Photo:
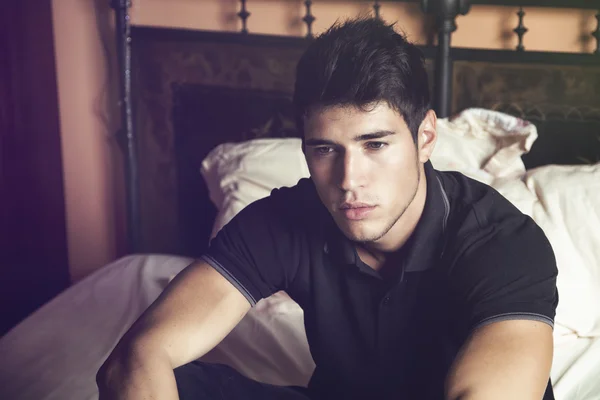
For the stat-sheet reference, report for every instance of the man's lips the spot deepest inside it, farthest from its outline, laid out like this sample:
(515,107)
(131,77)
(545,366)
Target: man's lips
(347,205)
(356,211)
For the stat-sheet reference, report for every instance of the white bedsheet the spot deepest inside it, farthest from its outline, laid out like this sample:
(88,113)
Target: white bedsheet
(55,353)
(576,368)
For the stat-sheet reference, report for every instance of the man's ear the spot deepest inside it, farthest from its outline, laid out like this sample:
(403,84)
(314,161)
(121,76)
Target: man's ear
(427,136)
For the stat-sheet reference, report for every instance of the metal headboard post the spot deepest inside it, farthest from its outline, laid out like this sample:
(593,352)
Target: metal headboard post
(125,135)
(520,30)
(244,14)
(376,8)
(596,33)
(445,12)
(308,19)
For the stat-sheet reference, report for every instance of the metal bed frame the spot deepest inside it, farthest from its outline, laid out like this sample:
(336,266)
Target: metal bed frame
(443,11)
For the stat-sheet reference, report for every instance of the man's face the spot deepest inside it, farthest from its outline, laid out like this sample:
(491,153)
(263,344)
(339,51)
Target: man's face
(365,166)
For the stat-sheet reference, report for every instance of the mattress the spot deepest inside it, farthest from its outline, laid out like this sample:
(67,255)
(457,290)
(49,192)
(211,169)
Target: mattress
(55,353)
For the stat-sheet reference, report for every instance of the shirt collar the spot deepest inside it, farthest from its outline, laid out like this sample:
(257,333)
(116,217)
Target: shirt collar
(425,245)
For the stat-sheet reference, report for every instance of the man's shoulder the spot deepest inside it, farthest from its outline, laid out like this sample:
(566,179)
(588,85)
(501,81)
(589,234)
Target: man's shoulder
(297,203)
(468,195)
(479,213)
(302,192)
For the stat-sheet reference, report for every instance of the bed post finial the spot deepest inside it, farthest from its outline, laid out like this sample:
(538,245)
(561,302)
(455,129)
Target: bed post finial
(445,12)
(308,19)
(244,14)
(376,8)
(520,30)
(596,33)
(126,135)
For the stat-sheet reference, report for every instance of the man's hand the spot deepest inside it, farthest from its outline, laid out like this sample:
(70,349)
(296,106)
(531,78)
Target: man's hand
(503,360)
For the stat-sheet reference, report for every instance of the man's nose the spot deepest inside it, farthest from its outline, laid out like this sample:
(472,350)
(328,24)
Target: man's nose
(350,172)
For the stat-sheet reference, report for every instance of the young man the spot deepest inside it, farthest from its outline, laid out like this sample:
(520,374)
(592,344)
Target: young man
(415,283)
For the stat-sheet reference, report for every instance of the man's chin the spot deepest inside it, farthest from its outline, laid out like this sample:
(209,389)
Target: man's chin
(359,235)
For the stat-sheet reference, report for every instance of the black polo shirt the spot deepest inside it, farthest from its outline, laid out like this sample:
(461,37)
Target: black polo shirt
(473,259)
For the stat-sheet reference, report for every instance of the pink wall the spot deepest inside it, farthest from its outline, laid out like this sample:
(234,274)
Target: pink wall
(484,26)
(86,80)
(86,118)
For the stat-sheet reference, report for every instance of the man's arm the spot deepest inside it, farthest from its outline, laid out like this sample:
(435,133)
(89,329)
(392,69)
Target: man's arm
(503,360)
(194,313)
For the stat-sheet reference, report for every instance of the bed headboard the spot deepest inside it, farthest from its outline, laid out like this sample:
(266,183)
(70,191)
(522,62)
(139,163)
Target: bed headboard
(192,90)
(558,93)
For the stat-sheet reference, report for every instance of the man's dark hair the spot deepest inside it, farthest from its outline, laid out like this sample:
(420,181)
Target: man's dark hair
(360,62)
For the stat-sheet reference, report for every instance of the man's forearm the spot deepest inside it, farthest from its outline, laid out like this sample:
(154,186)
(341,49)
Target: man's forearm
(135,376)
(198,303)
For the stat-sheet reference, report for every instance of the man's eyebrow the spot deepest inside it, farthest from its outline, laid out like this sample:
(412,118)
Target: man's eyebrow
(360,138)
(319,142)
(373,135)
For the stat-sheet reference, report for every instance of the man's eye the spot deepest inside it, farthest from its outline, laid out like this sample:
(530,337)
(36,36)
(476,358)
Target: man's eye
(323,150)
(376,145)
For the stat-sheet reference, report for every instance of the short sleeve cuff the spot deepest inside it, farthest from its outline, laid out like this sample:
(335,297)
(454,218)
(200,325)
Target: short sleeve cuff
(236,281)
(515,316)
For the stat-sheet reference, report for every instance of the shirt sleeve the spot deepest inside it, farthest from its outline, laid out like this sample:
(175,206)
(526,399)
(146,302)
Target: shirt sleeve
(257,251)
(509,273)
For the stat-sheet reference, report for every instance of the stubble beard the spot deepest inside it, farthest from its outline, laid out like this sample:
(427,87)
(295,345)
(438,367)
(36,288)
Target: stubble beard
(382,233)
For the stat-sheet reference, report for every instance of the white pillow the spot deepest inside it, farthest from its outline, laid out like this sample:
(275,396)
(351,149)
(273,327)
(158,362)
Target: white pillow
(483,144)
(565,202)
(238,174)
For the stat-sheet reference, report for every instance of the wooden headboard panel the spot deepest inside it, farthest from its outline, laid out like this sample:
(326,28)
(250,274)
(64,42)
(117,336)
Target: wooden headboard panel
(559,94)
(195,90)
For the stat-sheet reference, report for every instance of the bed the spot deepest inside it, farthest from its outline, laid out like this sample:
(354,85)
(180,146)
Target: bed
(527,123)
